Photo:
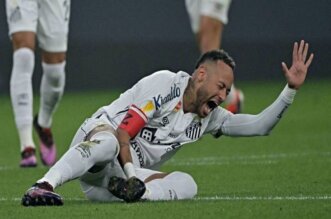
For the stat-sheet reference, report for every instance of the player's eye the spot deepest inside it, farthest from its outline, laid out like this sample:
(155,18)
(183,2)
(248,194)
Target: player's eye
(221,86)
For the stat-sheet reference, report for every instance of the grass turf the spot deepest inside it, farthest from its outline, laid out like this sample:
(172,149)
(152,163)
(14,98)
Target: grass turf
(284,175)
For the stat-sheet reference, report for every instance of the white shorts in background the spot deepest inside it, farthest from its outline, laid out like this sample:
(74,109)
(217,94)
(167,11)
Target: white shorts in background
(49,19)
(217,9)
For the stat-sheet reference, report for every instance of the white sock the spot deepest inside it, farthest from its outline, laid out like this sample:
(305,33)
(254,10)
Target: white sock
(21,94)
(51,90)
(176,185)
(25,136)
(101,149)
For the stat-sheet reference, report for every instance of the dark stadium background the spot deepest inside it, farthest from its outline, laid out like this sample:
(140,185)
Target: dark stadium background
(112,43)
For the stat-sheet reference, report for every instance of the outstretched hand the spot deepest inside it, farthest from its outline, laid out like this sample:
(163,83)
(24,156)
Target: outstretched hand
(296,74)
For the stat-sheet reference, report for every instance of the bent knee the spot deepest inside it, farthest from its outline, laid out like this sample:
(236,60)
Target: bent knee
(105,146)
(191,188)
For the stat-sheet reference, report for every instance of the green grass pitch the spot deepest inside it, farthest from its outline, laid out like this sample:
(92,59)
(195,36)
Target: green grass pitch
(284,175)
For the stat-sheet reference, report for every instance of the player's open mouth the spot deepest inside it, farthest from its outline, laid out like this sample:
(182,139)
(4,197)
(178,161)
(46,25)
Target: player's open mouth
(212,105)
(208,107)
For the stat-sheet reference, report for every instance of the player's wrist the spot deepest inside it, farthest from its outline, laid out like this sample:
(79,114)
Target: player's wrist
(293,86)
(129,170)
(288,93)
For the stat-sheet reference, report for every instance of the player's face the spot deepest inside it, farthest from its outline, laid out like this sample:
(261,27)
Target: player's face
(214,88)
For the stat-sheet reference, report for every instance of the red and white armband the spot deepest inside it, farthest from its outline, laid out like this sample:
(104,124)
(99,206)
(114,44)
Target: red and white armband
(134,121)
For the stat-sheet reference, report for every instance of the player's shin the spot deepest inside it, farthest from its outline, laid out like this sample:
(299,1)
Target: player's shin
(21,94)
(51,90)
(100,149)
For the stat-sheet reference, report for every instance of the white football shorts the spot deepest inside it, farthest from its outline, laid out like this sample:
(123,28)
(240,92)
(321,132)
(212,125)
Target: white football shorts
(217,9)
(94,185)
(49,19)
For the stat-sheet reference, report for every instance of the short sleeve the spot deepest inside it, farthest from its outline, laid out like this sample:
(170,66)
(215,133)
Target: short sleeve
(148,94)
(217,118)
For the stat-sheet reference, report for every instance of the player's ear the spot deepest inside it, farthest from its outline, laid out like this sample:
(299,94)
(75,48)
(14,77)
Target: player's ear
(201,73)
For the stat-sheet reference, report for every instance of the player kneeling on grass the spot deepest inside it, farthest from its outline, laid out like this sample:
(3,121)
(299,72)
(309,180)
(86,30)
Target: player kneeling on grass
(117,152)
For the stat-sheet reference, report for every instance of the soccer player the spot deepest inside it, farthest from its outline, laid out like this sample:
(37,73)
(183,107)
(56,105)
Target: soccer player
(48,22)
(208,18)
(117,152)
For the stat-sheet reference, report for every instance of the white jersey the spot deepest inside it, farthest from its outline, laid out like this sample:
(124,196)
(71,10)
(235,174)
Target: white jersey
(160,97)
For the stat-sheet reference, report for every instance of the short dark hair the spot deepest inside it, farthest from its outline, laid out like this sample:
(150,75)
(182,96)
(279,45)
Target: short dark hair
(215,55)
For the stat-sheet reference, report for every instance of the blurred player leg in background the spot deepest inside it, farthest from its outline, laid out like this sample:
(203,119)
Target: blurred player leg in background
(48,22)
(208,18)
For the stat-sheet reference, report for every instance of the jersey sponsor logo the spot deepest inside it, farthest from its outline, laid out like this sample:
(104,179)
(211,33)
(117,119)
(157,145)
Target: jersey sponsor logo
(148,107)
(148,133)
(138,151)
(165,121)
(159,100)
(194,130)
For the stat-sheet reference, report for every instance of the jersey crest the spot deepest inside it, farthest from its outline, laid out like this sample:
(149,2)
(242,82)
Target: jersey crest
(194,130)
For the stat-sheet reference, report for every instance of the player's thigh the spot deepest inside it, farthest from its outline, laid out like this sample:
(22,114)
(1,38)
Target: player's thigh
(210,33)
(22,17)
(53,25)
(24,39)
(53,57)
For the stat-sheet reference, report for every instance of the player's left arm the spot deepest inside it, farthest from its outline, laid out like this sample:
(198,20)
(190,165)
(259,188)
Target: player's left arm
(133,188)
(263,123)
(133,122)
